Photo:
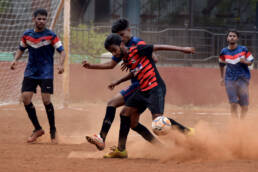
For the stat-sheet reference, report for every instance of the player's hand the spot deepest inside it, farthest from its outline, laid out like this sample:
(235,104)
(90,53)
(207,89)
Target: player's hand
(189,50)
(112,86)
(13,65)
(60,69)
(124,67)
(222,82)
(85,64)
(242,60)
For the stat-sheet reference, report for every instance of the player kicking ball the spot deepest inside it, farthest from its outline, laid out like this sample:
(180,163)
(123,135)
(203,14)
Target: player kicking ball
(41,44)
(151,93)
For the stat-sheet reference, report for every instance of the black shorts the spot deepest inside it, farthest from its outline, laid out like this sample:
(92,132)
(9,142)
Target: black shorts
(153,99)
(30,84)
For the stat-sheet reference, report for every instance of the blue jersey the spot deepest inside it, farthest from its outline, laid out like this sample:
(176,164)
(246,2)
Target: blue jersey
(41,47)
(231,58)
(132,42)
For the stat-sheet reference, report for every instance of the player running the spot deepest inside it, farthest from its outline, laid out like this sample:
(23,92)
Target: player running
(237,58)
(41,44)
(152,89)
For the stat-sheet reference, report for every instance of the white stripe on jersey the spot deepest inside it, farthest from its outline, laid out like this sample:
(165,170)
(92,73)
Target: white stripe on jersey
(39,44)
(58,44)
(22,44)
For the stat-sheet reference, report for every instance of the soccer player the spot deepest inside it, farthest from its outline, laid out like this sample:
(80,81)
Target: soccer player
(122,28)
(151,93)
(236,58)
(41,43)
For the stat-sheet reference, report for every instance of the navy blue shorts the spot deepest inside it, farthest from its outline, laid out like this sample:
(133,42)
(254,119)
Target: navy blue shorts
(30,84)
(129,90)
(237,91)
(153,99)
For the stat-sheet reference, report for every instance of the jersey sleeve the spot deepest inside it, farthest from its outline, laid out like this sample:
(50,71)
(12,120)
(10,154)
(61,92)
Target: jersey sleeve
(222,61)
(116,59)
(57,44)
(248,56)
(145,50)
(23,46)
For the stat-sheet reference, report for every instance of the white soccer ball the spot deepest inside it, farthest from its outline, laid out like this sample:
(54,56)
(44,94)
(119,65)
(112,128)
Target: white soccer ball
(161,125)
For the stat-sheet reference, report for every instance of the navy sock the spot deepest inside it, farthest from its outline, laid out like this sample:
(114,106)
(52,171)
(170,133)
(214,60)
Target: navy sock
(107,122)
(144,132)
(123,132)
(51,116)
(32,115)
(179,126)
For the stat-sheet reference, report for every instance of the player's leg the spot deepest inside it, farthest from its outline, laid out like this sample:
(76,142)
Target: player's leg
(156,106)
(117,101)
(28,88)
(46,86)
(99,140)
(243,93)
(232,93)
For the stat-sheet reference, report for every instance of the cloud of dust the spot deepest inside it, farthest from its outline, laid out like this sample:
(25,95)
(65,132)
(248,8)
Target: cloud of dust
(238,140)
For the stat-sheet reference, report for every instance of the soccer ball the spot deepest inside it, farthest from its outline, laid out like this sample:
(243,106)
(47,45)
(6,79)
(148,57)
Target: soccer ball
(161,125)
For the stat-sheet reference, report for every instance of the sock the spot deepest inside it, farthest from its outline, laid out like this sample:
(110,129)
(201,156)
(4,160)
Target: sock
(179,126)
(144,132)
(51,116)
(123,132)
(32,115)
(107,122)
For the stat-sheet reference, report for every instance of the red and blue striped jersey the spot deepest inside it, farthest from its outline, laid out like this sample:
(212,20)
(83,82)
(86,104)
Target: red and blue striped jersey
(132,42)
(141,64)
(41,47)
(231,58)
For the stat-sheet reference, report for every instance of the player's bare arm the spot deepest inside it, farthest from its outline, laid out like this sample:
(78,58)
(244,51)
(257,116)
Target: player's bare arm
(60,67)
(187,50)
(112,85)
(18,55)
(108,65)
(222,75)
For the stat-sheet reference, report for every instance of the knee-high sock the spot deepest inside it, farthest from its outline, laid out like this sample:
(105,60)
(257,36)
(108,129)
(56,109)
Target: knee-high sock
(144,132)
(107,122)
(123,132)
(31,111)
(179,126)
(51,116)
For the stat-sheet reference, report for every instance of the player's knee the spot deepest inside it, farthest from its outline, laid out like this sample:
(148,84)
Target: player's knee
(125,112)
(133,124)
(46,102)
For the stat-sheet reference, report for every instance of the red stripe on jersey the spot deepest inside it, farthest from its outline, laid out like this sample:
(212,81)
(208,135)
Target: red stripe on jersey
(222,58)
(247,54)
(56,39)
(150,87)
(141,43)
(147,78)
(140,75)
(37,40)
(234,56)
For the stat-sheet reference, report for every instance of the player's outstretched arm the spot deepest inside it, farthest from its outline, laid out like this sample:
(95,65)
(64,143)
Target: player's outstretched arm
(18,55)
(60,67)
(108,65)
(123,79)
(174,48)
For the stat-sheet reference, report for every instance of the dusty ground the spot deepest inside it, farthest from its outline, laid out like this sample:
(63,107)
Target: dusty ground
(220,144)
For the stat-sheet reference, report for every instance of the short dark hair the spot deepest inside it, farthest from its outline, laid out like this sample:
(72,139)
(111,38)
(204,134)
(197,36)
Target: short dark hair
(40,11)
(119,25)
(112,39)
(232,31)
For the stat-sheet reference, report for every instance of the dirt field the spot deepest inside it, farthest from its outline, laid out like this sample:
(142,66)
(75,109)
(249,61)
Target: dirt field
(194,98)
